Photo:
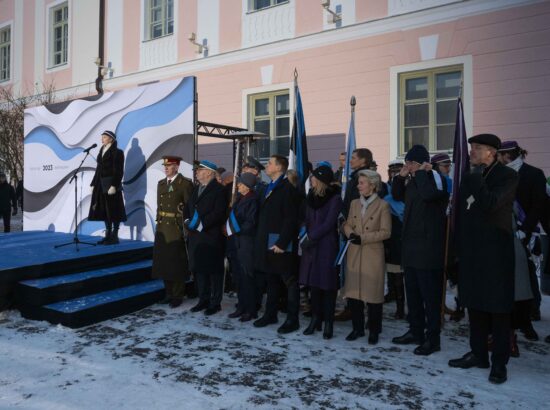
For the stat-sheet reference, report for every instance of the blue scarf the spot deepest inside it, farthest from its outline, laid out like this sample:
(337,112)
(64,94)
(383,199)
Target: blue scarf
(397,207)
(272,185)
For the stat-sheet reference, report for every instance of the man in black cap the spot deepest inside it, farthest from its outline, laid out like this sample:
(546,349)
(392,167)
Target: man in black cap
(7,202)
(255,167)
(170,260)
(486,256)
(423,247)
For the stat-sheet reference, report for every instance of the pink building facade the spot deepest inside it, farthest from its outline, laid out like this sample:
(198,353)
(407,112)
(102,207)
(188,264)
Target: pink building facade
(405,61)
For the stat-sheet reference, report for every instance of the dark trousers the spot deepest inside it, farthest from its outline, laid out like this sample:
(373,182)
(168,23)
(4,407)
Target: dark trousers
(323,303)
(209,288)
(273,291)
(498,325)
(374,315)
(6,216)
(423,289)
(175,289)
(521,314)
(246,287)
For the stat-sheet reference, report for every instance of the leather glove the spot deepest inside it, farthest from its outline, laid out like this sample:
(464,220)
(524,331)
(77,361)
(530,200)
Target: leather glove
(112,190)
(14,212)
(355,239)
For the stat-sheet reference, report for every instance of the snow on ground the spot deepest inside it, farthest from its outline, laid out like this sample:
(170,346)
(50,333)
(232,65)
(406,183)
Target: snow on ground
(160,358)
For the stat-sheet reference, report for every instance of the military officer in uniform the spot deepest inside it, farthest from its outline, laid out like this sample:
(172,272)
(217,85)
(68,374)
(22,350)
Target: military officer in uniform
(170,260)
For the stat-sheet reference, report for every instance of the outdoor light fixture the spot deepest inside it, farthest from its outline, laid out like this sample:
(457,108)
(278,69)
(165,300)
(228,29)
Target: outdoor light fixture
(200,47)
(105,70)
(334,17)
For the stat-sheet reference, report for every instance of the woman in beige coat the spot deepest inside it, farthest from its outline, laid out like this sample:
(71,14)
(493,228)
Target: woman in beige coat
(367,226)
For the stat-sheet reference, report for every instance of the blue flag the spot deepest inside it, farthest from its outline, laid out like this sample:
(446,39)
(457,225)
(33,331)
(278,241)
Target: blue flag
(461,162)
(350,147)
(298,158)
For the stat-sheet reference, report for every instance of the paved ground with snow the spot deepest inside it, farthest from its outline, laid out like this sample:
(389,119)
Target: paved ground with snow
(162,358)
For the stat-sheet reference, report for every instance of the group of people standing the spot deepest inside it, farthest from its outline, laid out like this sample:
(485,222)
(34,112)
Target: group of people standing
(279,239)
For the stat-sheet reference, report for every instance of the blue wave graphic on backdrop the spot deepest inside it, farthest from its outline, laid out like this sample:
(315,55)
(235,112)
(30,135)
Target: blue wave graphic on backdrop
(159,113)
(43,135)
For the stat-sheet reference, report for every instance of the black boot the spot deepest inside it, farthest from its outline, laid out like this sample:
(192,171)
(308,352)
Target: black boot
(113,240)
(314,324)
(390,296)
(328,330)
(106,238)
(399,295)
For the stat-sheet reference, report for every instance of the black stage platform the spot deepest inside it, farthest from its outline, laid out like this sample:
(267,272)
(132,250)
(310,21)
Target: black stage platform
(75,288)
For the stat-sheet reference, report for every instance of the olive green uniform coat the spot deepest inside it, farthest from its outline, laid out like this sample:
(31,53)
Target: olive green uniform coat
(170,260)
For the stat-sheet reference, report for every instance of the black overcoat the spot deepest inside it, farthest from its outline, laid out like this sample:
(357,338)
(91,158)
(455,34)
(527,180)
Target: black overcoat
(246,213)
(278,216)
(206,248)
(424,220)
(531,195)
(486,241)
(109,164)
(7,197)
(170,260)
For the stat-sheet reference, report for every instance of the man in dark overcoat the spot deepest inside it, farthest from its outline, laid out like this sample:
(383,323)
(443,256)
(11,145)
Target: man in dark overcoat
(424,192)
(275,249)
(205,216)
(486,256)
(7,202)
(107,204)
(170,261)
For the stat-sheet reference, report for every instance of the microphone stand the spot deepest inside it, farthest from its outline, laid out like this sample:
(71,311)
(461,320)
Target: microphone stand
(76,240)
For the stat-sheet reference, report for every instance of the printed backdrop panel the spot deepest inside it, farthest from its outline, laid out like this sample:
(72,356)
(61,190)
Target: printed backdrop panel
(150,121)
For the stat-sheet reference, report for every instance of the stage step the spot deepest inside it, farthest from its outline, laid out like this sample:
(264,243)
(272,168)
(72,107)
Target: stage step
(52,289)
(97,307)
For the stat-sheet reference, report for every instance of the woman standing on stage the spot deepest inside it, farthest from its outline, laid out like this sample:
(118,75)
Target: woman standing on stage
(107,204)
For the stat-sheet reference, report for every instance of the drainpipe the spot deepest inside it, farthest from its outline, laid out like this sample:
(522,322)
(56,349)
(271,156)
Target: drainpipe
(101,51)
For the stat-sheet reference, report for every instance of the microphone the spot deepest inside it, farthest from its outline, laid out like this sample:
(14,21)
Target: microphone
(90,148)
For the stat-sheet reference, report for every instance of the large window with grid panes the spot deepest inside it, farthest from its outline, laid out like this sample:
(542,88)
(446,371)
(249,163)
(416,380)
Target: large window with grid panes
(59,34)
(159,18)
(254,5)
(5,53)
(270,114)
(427,108)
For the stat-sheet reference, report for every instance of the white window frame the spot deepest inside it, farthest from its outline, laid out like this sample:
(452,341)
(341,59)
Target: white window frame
(248,94)
(467,94)
(147,33)
(50,65)
(3,27)
(273,3)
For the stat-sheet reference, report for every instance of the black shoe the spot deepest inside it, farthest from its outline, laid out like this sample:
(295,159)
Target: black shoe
(530,333)
(498,374)
(355,335)
(328,330)
(373,338)
(105,238)
(165,301)
(112,239)
(199,306)
(314,324)
(246,317)
(427,348)
(235,314)
(211,310)
(174,303)
(468,361)
(290,325)
(265,321)
(407,339)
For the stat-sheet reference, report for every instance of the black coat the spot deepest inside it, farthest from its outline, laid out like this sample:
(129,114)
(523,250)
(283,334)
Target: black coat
(278,216)
(486,241)
(104,206)
(531,195)
(246,213)
(424,221)
(7,197)
(206,248)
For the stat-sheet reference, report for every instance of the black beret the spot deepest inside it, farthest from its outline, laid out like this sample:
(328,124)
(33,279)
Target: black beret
(486,139)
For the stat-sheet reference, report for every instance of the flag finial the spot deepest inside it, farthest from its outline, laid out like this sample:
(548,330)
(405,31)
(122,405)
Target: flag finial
(352,102)
(295,73)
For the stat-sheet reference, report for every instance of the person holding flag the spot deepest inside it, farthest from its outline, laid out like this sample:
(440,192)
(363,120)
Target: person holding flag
(241,230)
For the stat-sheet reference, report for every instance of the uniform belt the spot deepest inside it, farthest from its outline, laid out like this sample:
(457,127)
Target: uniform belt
(168,214)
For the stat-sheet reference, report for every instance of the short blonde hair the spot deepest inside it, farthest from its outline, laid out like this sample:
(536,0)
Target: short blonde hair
(373,177)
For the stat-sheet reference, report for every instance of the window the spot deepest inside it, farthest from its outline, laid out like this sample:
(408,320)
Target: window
(270,114)
(5,50)
(254,5)
(159,18)
(427,109)
(59,34)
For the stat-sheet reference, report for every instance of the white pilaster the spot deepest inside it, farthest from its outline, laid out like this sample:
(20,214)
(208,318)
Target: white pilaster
(85,34)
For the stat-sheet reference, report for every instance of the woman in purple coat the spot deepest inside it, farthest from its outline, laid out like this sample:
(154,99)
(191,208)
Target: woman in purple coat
(320,248)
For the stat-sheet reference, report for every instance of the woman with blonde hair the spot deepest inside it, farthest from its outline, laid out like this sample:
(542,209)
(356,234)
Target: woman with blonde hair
(367,226)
